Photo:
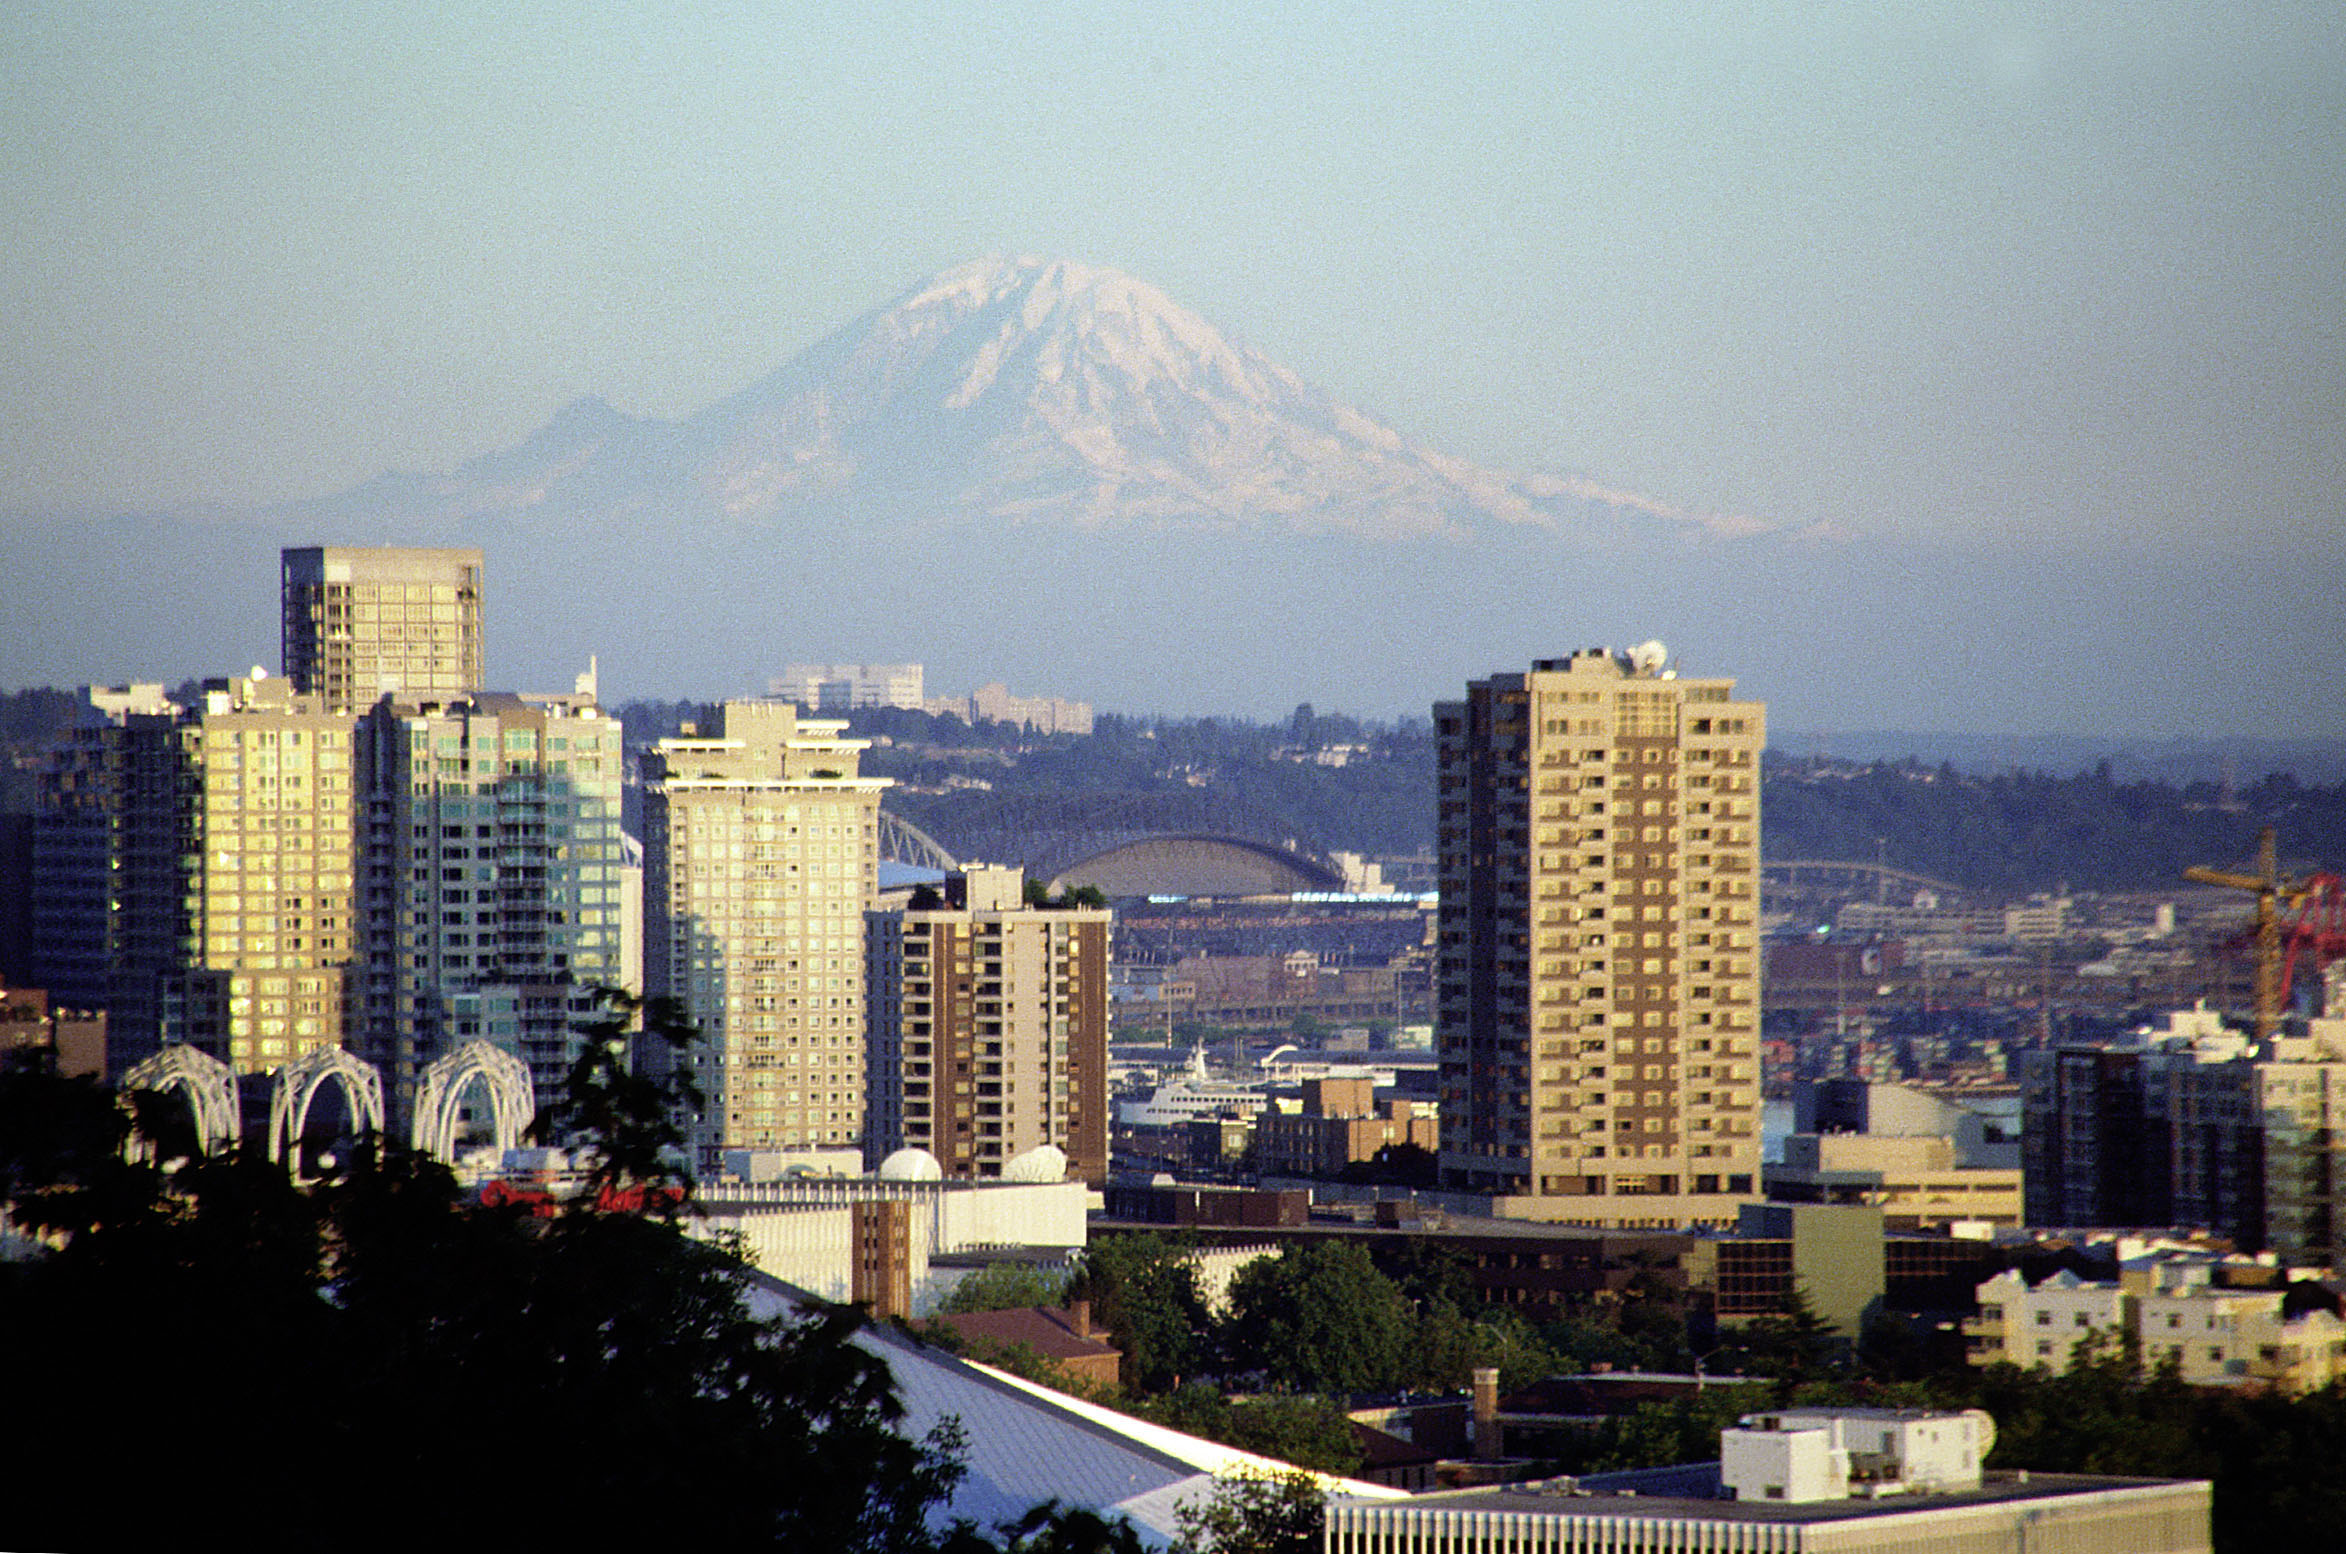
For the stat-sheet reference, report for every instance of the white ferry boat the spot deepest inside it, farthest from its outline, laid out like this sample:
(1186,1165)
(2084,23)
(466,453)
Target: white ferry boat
(1195,1094)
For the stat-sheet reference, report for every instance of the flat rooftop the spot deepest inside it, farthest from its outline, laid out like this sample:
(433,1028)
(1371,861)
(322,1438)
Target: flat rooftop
(1691,1492)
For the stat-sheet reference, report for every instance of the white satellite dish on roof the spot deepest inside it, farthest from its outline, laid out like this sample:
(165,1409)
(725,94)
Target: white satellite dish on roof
(1043,1163)
(1648,657)
(911,1165)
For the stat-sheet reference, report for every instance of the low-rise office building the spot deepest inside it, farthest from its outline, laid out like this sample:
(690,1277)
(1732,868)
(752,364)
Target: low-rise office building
(1852,1481)
(1916,1182)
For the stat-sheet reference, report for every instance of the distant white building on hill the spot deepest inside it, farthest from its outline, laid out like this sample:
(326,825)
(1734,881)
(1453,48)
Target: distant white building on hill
(833,688)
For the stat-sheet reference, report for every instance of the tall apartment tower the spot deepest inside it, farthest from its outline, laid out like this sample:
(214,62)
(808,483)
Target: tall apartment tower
(362,622)
(274,909)
(761,857)
(492,871)
(2195,1124)
(77,836)
(1598,995)
(989,1028)
(228,913)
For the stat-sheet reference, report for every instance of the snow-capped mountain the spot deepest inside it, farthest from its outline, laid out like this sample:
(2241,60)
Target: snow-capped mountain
(1053,476)
(1019,392)
(1036,391)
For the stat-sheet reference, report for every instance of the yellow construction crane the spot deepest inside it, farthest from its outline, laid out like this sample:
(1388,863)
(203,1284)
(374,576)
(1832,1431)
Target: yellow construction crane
(2272,893)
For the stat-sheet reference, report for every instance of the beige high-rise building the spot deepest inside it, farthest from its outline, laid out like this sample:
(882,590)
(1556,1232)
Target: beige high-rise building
(761,856)
(360,623)
(234,874)
(1598,995)
(989,1028)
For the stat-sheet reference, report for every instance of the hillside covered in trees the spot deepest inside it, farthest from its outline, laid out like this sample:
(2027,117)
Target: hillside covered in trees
(1329,782)
(1334,782)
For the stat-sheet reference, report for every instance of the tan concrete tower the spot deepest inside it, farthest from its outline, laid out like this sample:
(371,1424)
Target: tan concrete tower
(989,1027)
(1599,959)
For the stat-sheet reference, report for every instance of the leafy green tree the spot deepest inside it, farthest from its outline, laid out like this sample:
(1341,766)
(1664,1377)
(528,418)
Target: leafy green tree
(1005,1287)
(383,1322)
(1319,1317)
(1310,1432)
(1050,1528)
(1427,1271)
(1658,1435)
(1143,1290)
(1451,1345)
(1026,1361)
(1794,1348)
(1251,1514)
(627,1097)
(1588,1337)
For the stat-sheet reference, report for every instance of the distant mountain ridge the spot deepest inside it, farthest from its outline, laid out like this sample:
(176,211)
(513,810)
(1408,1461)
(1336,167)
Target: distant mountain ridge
(1025,392)
(1051,475)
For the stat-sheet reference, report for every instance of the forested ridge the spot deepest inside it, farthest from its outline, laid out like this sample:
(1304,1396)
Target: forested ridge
(1335,782)
(1329,781)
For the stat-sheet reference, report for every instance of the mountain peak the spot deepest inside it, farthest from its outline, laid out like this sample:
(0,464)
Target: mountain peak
(1037,392)
(989,280)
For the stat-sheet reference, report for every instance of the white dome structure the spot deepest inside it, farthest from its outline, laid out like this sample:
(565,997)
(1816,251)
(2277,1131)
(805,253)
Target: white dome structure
(1043,1163)
(911,1165)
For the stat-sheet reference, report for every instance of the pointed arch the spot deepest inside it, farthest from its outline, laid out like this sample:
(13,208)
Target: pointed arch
(298,1084)
(210,1087)
(512,1098)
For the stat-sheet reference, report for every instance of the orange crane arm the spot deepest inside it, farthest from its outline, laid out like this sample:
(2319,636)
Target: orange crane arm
(2247,882)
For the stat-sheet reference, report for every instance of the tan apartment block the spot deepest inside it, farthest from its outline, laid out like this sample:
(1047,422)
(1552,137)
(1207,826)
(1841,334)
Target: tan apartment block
(1598,981)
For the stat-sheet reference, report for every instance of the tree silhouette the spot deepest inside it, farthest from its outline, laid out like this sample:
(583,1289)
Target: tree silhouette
(382,1361)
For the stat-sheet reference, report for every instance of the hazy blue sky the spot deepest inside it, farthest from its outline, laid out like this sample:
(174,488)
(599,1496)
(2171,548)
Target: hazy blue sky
(1942,269)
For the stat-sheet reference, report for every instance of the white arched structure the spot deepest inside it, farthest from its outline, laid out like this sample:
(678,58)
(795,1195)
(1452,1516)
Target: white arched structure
(210,1086)
(512,1098)
(298,1084)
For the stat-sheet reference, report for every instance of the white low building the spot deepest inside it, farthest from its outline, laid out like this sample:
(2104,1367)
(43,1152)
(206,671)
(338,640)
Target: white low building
(2040,1328)
(808,1232)
(1800,1481)
(1805,1455)
(2212,1335)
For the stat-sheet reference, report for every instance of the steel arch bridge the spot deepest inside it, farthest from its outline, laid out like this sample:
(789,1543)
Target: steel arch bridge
(1828,873)
(903,842)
